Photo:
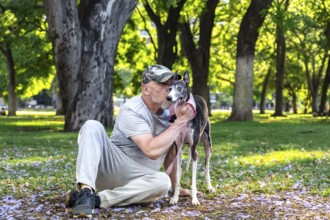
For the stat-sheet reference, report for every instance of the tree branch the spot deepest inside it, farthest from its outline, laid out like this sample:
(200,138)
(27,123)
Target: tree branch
(147,30)
(226,80)
(152,14)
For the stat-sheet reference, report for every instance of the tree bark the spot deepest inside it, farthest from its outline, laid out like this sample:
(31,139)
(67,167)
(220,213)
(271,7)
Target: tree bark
(326,82)
(59,104)
(292,92)
(294,103)
(199,56)
(263,92)
(247,38)
(85,45)
(12,81)
(166,33)
(314,83)
(280,61)
(325,87)
(280,64)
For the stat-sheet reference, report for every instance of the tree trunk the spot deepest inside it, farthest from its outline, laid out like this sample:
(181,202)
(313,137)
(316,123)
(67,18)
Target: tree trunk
(12,81)
(314,83)
(263,92)
(294,103)
(166,33)
(325,87)
(59,104)
(247,38)
(84,51)
(199,56)
(280,64)
(326,82)
(293,94)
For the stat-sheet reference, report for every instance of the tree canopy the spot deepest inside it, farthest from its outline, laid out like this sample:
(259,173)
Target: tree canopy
(157,32)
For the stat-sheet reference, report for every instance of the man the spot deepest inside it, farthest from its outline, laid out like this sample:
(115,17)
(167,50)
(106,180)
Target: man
(125,168)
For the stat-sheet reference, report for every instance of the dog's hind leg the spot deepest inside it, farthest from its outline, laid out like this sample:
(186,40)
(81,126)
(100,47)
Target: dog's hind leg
(194,157)
(189,159)
(194,177)
(177,186)
(207,142)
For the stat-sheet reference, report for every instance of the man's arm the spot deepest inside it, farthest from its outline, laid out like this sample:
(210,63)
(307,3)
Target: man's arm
(153,147)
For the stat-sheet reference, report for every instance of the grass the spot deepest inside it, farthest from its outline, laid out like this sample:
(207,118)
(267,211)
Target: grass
(267,155)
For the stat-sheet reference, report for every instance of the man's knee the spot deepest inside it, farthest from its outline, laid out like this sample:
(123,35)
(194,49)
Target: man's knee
(93,124)
(164,182)
(91,127)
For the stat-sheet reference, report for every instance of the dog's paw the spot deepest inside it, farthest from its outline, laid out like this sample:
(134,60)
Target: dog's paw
(195,202)
(211,190)
(174,200)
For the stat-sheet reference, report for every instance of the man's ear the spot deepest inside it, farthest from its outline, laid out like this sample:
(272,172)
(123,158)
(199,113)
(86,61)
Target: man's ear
(145,90)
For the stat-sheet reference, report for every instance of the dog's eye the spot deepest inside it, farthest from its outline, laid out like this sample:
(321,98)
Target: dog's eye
(180,89)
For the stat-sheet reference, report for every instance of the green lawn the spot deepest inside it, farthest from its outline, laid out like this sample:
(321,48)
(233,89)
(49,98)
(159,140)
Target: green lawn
(267,155)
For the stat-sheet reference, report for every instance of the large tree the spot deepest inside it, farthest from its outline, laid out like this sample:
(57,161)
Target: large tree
(85,39)
(167,48)
(326,82)
(280,56)
(22,28)
(198,53)
(244,75)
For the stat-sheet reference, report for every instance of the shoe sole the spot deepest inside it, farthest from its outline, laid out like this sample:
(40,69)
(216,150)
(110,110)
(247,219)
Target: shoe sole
(84,215)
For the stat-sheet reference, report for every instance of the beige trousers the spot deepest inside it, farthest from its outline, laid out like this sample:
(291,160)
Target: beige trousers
(119,180)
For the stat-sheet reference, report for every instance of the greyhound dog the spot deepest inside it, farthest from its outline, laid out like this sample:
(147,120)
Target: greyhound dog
(197,129)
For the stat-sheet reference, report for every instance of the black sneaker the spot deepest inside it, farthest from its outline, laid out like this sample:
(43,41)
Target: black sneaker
(82,203)
(72,196)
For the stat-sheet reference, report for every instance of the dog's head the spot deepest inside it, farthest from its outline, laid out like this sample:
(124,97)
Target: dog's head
(179,90)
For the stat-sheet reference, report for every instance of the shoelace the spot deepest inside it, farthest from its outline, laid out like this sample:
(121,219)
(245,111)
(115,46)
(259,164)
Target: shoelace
(83,195)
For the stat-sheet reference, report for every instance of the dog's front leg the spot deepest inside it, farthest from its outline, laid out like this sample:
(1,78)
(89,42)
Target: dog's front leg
(194,184)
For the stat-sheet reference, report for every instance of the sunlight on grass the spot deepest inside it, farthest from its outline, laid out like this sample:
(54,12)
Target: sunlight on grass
(277,157)
(35,113)
(27,160)
(32,123)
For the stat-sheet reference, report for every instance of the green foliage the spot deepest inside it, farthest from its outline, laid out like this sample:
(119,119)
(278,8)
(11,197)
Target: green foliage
(223,45)
(23,31)
(306,45)
(134,54)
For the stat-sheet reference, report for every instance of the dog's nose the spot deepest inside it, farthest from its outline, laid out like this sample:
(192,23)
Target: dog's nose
(169,98)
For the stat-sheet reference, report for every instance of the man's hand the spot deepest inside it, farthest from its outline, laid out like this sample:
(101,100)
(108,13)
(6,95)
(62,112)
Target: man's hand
(184,113)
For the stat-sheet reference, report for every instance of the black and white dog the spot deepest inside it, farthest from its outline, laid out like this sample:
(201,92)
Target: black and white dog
(197,129)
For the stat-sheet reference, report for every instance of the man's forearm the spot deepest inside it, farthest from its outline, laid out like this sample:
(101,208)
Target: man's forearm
(162,142)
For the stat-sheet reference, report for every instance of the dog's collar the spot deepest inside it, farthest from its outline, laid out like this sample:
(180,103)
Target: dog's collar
(172,118)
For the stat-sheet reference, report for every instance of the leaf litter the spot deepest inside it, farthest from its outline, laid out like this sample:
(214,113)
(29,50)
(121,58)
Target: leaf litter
(283,205)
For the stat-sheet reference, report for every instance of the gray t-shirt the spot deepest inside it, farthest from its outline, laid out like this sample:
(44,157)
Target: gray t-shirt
(134,118)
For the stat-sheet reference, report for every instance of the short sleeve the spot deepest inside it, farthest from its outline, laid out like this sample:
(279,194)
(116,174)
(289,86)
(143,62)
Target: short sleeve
(132,123)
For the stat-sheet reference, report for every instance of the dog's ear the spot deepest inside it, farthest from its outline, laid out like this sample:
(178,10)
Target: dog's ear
(176,76)
(186,77)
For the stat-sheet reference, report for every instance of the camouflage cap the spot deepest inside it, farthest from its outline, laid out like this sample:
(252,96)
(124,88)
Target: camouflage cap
(157,73)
